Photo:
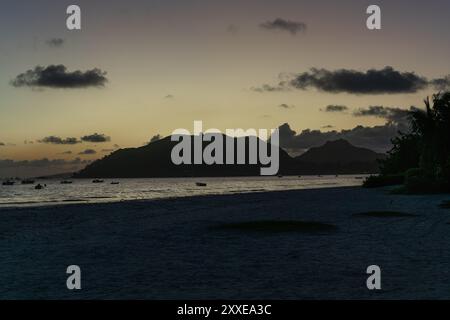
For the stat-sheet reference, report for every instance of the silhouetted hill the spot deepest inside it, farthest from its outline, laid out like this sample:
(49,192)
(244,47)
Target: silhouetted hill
(154,160)
(338,156)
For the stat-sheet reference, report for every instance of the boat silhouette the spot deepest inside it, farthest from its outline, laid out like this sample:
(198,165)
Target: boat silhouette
(201,184)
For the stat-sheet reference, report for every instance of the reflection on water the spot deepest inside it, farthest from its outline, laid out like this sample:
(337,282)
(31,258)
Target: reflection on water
(84,191)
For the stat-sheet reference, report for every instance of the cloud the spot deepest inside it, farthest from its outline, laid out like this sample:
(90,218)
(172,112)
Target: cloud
(377,138)
(335,108)
(39,167)
(7,163)
(169,96)
(2,144)
(55,42)
(270,88)
(396,115)
(59,140)
(293,27)
(66,152)
(329,126)
(286,106)
(96,138)
(88,152)
(57,76)
(441,84)
(373,81)
(233,29)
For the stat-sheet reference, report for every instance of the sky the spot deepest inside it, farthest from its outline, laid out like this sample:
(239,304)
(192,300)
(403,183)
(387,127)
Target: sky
(142,68)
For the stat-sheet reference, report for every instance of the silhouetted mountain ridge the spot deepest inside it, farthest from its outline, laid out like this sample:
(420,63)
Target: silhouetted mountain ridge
(339,151)
(338,157)
(154,160)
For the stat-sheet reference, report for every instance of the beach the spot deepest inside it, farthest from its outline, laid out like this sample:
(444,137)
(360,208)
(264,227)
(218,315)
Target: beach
(188,248)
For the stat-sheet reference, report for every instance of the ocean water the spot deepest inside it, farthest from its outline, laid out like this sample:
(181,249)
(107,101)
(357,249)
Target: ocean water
(84,191)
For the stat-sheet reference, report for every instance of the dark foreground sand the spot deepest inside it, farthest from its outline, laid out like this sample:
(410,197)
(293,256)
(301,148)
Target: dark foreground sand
(178,249)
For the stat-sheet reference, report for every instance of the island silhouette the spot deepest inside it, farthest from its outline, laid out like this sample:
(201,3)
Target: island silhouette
(154,160)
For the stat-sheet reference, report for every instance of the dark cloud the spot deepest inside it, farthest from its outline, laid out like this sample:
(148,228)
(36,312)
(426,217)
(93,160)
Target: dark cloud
(40,167)
(96,138)
(55,42)
(56,76)
(441,84)
(2,144)
(59,140)
(293,27)
(40,163)
(396,115)
(335,108)
(373,81)
(88,152)
(328,127)
(286,106)
(377,138)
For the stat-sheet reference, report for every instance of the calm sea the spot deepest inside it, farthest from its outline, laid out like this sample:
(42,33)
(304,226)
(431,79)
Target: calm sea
(84,191)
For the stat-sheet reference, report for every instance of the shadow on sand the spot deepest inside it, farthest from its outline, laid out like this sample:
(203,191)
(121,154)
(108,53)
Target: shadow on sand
(278,226)
(384,214)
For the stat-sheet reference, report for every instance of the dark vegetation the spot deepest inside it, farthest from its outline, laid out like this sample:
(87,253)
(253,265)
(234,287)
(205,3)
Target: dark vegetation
(420,159)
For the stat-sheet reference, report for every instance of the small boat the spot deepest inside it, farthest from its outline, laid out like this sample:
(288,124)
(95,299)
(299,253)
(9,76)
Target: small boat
(115,182)
(27,181)
(97,181)
(201,184)
(39,187)
(8,183)
(66,182)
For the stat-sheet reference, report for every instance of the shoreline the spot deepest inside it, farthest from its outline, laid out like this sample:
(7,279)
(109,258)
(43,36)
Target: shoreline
(84,191)
(75,203)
